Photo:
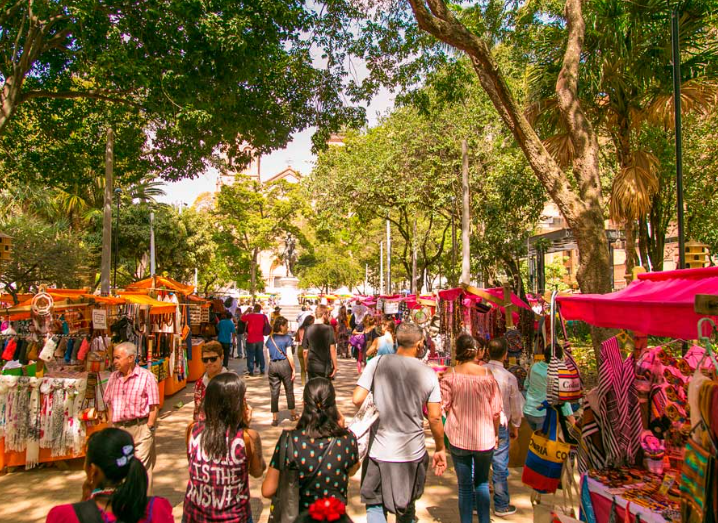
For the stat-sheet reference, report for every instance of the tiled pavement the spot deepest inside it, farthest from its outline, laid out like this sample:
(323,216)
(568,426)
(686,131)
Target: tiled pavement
(27,496)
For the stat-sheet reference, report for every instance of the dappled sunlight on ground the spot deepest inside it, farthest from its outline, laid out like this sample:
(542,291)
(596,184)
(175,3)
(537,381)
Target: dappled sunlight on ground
(28,496)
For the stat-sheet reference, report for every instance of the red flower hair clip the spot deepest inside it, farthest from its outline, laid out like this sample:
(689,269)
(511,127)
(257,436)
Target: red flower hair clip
(327,509)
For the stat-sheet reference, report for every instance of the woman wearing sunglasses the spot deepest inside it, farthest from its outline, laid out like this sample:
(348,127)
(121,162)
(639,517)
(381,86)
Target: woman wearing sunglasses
(212,354)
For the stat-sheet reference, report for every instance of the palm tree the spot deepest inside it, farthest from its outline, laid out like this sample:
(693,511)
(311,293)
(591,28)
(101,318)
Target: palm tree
(627,85)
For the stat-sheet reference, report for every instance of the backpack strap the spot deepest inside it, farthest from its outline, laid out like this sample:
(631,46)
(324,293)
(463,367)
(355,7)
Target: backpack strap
(87,512)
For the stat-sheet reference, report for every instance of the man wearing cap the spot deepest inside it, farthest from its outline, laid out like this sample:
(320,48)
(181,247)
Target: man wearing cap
(133,398)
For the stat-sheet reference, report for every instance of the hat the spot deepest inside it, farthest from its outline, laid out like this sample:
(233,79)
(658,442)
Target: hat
(277,309)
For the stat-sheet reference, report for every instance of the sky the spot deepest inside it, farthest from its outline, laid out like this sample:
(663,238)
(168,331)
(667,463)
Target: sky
(297,154)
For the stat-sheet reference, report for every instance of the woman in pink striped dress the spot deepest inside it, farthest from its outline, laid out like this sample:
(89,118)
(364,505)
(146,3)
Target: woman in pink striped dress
(471,401)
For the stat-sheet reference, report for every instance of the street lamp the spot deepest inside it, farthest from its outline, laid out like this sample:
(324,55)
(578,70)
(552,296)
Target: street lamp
(118,192)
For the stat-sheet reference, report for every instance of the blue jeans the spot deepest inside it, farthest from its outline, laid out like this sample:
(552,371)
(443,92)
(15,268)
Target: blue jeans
(377,514)
(500,463)
(241,345)
(472,472)
(255,354)
(535,422)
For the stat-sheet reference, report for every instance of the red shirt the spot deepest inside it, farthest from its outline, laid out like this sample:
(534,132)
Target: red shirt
(255,327)
(218,490)
(132,398)
(159,510)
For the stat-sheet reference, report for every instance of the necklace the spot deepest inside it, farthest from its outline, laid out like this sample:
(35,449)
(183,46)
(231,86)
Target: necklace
(102,492)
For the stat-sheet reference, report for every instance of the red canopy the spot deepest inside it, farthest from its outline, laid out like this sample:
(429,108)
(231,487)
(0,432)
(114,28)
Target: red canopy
(657,303)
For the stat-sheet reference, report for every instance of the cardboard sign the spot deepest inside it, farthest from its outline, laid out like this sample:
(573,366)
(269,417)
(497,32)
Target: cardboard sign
(99,319)
(391,307)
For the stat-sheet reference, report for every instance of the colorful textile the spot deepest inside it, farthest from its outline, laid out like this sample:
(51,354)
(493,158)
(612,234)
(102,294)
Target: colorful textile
(695,481)
(546,456)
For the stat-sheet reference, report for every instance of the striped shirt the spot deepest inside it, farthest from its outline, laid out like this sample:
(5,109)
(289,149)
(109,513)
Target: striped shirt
(133,397)
(471,403)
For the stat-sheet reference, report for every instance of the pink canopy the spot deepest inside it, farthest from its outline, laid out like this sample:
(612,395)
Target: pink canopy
(657,303)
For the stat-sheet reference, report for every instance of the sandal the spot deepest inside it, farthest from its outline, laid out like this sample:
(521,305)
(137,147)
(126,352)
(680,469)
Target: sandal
(295,417)
(275,423)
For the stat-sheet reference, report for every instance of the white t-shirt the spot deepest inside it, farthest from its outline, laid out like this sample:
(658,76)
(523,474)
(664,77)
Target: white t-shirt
(403,386)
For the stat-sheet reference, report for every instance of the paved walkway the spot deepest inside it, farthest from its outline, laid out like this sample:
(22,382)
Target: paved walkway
(27,496)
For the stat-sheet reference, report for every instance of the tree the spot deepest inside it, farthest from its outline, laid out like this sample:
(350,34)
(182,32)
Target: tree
(251,216)
(42,254)
(627,90)
(328,267)
(206,75)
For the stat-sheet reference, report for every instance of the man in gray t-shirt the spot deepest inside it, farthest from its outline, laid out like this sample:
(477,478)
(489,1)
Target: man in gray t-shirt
(395,473)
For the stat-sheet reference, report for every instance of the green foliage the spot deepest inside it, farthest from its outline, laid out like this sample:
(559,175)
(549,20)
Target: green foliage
(328,267)
(200,76)
(251,217)
(42,253)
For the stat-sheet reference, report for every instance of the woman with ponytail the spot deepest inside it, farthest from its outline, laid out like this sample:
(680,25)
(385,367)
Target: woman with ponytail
(116,486)
(323,450)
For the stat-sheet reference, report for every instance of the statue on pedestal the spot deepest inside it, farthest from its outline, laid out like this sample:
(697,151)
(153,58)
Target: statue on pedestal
(289,255)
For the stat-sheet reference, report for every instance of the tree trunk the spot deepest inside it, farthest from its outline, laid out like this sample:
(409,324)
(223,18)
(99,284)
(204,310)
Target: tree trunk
(579,200)
(630,231)
(253,274)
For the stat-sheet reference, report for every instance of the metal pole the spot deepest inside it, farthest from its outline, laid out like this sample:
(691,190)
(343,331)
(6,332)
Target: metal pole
(107,215)
(366,277)
(465,216)
(679,146)
(116,252)
(388,257)
(152,244)
(381,267)
(196,274)
(413,261)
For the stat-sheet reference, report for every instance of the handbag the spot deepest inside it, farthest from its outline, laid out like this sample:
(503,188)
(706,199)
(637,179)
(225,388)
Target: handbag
(546,456)
(285,503)
(267,330)
(696,477)
(365,419)
(563,379)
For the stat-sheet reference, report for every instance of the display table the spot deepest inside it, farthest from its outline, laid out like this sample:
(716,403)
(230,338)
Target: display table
(173,385)
(194,362)
(602,498)
(17,459)
(161,387)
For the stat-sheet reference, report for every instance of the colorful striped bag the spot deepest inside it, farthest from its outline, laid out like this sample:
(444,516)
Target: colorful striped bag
(546,456)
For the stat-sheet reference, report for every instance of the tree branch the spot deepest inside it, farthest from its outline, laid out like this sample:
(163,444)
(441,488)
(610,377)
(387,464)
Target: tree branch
(94,94)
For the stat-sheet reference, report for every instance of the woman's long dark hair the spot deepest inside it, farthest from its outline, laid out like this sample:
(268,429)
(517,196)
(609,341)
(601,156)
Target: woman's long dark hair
(342,314)
(388,324)
(224,409)
(320,418)
(112,451)
(309,320)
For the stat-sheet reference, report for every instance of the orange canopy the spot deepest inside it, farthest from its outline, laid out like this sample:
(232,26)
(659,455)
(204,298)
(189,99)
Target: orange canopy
(156,307)
(160,282)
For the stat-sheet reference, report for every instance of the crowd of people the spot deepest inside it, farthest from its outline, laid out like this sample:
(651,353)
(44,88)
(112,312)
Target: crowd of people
(473,410)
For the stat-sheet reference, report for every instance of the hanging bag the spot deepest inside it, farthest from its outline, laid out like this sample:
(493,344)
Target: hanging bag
(546,456)
(267,330)
(285,503)
(365,419)
(563,380)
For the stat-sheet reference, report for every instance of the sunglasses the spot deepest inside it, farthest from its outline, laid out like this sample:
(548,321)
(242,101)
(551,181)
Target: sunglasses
(210,359)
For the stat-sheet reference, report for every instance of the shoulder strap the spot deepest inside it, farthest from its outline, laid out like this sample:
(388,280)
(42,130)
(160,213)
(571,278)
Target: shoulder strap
(247,445)
(373,378)
(87,512)
(271,336)
(322,459)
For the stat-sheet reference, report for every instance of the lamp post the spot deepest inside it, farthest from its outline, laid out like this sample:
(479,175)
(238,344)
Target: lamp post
(118,192)
(679,146)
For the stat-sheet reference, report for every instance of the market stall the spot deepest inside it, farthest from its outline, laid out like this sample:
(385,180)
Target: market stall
(648,444)
(55,348)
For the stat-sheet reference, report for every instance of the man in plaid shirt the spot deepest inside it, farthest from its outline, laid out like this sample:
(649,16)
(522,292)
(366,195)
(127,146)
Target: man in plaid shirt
(133,398)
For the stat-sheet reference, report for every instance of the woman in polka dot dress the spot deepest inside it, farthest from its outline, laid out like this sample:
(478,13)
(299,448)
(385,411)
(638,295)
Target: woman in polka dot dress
(324,451)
